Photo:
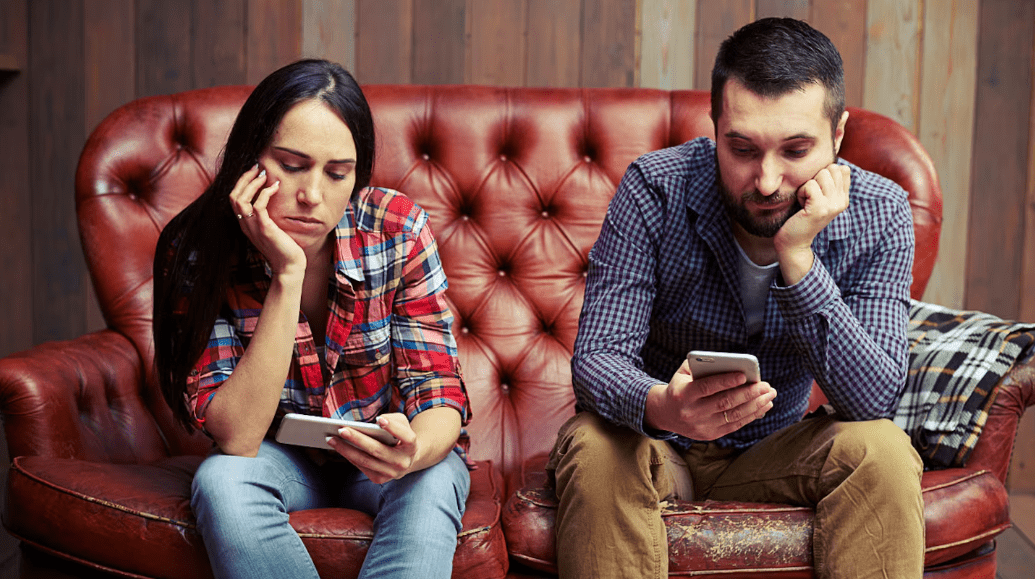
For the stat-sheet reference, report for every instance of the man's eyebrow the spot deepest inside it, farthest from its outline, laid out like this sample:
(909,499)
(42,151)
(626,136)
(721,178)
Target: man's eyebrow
(799,136)
(304,156)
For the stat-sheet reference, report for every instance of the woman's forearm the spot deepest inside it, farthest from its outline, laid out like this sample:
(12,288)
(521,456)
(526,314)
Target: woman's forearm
(437,430)
(241,411)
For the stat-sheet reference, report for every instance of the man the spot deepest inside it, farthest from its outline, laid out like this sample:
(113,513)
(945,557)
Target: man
(760,242)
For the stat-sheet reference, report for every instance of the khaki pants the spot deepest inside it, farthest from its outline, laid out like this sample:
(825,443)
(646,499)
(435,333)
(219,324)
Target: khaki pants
(863,479)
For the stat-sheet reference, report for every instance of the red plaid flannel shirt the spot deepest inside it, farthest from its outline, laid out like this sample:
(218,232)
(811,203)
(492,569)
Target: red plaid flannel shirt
(389,345)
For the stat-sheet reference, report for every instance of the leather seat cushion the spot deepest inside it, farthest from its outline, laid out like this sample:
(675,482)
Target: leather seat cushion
(964,509)
(137,519)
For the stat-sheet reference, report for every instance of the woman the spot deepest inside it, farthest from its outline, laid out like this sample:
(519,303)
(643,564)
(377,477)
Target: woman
(291,286)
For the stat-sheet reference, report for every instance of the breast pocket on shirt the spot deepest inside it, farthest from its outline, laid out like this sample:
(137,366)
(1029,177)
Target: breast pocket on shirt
(367,347)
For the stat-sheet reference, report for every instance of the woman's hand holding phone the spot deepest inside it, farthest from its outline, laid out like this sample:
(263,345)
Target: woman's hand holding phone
(380,462)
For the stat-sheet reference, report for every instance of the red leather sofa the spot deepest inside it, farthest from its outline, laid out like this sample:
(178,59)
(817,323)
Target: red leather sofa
(516,182)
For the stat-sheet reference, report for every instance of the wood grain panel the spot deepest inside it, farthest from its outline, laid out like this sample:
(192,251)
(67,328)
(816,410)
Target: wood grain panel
(274,36)
(1000,163)
(56,125)
(844,22)
(608,43)
(16,200)
(439,27)
(329,31)
(892,59)
(555,43)
(163,32)
(496,46)
(715,22)
(667,44)
(946,129)
(384,41)
(783,8)
(218,43)
(1027,294)
(107,84)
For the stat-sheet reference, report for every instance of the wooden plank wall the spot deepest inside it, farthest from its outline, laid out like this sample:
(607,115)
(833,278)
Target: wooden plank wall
(958,73)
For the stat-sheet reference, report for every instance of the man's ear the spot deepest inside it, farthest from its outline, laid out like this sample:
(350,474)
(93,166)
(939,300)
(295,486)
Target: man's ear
(839,132)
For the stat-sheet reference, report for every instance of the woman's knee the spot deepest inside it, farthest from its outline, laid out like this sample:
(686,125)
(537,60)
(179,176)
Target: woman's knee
(223,479)
(449,478)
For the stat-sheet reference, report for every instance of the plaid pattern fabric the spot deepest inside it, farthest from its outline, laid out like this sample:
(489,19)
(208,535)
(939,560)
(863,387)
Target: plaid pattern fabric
(664,280)
(389,345)
(956,358)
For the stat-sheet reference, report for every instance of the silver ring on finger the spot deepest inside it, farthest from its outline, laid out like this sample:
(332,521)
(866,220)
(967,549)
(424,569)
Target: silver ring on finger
(239,216)
(726,417)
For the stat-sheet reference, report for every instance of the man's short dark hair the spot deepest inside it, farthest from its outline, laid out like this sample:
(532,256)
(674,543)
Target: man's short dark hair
(774,56)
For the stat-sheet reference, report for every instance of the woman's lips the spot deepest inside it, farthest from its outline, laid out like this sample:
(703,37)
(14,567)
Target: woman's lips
(303,223)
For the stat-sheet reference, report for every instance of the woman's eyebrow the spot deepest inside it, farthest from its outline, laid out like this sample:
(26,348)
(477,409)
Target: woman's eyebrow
(305,156)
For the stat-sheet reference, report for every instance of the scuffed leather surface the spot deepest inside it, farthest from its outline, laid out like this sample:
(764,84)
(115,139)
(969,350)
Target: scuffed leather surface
(708,537)
(137,519)
(516,182)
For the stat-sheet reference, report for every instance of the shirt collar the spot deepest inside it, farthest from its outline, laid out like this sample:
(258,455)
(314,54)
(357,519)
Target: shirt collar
(347,251)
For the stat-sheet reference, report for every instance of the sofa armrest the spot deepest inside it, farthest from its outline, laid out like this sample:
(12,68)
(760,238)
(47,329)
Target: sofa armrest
(1016,392)
(79,399)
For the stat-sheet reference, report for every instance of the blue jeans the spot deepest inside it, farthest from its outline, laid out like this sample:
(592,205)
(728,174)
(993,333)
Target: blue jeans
(242,505)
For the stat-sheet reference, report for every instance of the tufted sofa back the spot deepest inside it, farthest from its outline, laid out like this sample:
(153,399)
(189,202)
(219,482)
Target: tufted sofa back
(516,181)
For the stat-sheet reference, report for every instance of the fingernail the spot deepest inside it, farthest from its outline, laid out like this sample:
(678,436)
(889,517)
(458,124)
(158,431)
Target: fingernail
(382,421)
(262,173)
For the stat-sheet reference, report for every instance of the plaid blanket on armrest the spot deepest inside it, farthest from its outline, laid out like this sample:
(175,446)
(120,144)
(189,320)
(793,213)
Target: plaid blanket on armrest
(956,358)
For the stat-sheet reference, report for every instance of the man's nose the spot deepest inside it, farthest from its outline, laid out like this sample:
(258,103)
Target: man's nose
(769,177)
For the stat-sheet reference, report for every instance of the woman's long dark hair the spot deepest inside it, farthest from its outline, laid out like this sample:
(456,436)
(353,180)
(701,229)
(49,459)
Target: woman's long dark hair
(196,249)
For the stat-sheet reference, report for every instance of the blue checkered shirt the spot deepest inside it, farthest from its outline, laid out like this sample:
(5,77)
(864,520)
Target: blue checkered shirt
(664,280)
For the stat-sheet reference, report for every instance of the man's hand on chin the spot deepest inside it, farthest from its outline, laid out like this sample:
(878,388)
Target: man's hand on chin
(822,198)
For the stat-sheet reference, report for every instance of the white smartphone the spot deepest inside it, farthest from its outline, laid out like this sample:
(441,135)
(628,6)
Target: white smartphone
(704,363)
(306,430)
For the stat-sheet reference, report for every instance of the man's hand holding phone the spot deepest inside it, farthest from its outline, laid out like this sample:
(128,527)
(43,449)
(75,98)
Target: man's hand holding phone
(707,407)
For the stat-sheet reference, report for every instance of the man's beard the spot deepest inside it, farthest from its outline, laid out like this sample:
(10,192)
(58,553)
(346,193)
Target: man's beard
(738,212)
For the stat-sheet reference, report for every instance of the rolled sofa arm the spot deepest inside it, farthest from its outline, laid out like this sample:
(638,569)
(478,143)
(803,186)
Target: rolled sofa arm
(79,398)
(1016,392)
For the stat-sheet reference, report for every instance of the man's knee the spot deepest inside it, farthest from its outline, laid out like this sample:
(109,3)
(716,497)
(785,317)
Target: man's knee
(879,451)
(598,457)
(589,441)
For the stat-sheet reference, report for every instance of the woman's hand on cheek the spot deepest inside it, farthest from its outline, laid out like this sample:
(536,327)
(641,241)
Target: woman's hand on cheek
(380,462)
(250,200)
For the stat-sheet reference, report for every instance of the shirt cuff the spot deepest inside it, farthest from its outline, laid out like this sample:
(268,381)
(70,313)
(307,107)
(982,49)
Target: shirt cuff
(810,295)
